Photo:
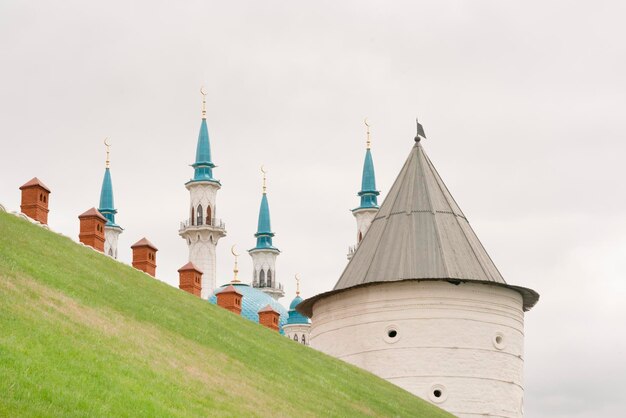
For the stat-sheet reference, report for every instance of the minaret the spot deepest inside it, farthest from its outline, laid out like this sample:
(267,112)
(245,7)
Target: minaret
(264,254)
(112,231)
(298,326)
(368,208)
(202,230)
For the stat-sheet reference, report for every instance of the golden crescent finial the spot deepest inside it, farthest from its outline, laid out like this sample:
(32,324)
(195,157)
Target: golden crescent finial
(108,148)
(235,269)
(369,142)
(297,285)
(203,93)
(264,178)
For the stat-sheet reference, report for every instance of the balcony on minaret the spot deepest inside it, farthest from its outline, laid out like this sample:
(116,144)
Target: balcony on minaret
(200,223)
(144,256)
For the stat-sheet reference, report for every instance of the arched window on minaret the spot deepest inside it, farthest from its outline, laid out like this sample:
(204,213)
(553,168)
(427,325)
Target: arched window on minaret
(262,278)
(269,278)
(208,216)
(295,337)
(303,339)
(192,218)
(111,252)
(199,215)
(360,236)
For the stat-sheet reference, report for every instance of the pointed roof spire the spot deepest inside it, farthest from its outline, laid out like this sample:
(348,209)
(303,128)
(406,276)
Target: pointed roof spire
(368,191)
(107,204)
(420,233)
(264,232)
(203,167)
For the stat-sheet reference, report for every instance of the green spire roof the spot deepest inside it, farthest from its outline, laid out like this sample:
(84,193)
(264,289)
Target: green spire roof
(264,232)
(203,165)
(368,191)
(107,206)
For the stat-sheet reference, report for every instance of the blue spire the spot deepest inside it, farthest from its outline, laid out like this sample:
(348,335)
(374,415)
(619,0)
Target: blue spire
(203,165)
(296,317)
(368,191)
(264,232)
(107,206)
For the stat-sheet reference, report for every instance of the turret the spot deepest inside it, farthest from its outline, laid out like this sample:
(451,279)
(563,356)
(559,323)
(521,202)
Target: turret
(92,229)
(264,253)
(368,207)
(298,326)
(144,256)
(107,209)
(202,230)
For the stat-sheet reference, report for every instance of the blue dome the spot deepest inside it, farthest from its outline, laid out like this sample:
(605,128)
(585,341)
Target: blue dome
(296,317)
(253,301)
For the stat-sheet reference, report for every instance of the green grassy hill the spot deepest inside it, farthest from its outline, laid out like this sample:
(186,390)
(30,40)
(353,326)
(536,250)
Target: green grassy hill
(83,335)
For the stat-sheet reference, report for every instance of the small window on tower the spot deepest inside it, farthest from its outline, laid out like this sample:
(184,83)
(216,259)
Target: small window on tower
(44,199)
(360,236)
(303,339)
(262,278)
(295,337)
(199,216)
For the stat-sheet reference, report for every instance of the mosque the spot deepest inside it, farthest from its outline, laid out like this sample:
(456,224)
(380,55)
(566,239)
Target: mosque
(420,302)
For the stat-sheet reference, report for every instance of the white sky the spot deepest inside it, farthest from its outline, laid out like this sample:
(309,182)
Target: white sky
(522,103)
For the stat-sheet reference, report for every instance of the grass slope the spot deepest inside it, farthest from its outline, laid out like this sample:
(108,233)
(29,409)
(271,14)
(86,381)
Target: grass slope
(83,335)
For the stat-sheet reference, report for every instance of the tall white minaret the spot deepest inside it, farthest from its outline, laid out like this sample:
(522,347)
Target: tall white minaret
(264,254)
(368,208)
(202,230)
(112,230)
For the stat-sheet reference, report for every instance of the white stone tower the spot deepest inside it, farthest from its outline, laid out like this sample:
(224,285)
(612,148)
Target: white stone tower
(202,230)
(112,230)
(264,253)
(368,208)
(422,305)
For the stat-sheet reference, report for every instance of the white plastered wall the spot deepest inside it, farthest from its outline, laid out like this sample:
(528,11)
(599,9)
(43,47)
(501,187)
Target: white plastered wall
(299,330)
(111,236)
(458,346)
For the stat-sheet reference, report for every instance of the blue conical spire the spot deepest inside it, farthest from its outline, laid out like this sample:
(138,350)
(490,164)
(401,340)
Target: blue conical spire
(264,232)
(203,165)
(368,191)
(107,206)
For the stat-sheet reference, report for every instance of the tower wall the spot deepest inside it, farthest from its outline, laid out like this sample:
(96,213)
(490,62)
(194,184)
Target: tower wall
(111,236)
(458,346)
(265,260)
(202,239)
(295,332)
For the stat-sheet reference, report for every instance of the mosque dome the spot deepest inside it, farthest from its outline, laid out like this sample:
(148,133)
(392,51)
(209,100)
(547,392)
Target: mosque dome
(253,300)
(296,317)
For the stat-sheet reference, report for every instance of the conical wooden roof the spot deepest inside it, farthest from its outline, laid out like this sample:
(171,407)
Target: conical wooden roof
(419,233)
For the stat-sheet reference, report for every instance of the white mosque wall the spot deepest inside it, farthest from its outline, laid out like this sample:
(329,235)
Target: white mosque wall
(458,346)
(295,332)
(364,218)
(111,236)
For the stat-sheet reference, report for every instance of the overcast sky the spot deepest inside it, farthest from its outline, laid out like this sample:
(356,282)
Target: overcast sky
(522,102)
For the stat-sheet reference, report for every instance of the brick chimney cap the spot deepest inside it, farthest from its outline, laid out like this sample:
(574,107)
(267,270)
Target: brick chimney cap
(188,267)
(230,289)
(34,182)
(269,308)
(91,213)
(144,243)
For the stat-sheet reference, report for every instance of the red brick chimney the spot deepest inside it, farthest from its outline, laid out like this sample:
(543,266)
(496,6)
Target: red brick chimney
(35,200)
(229,298)
(268,317)
(144,256)
(190,279)
(92,229)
